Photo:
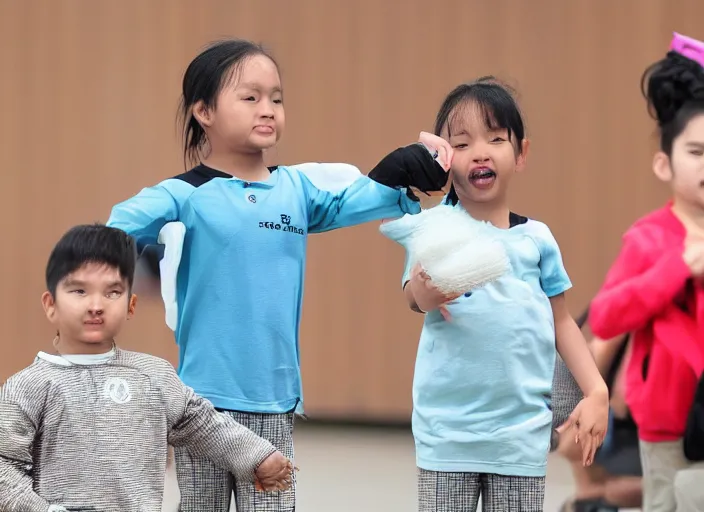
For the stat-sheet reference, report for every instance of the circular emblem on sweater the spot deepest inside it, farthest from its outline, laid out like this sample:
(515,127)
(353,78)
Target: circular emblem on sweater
(117,390)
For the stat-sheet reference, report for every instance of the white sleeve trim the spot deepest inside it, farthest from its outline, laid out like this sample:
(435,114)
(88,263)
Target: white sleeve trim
(330,177)
(171,236)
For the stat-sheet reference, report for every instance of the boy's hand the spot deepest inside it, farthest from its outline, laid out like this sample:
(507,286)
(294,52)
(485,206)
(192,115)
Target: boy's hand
(590,421)
(426,295)
(274,474)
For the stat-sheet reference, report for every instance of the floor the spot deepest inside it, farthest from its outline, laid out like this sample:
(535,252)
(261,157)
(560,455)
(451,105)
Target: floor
(375,463)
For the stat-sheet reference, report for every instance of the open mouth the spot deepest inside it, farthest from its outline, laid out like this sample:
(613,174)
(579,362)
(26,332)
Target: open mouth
(482,177)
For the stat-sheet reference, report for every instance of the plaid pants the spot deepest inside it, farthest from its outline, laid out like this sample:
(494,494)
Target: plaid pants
(206,487)
(565,393)
(459,492)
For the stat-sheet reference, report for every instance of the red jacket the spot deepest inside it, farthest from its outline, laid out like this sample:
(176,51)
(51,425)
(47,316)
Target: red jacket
(649,292)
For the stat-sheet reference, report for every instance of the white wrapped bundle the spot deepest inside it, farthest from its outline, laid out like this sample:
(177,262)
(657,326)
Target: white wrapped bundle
(458,252)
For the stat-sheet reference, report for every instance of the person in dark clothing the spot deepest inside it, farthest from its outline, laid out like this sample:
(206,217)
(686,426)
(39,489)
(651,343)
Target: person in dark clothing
(614,480)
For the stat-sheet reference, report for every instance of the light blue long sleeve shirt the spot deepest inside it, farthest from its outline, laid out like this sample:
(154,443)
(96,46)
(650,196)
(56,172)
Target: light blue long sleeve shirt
(240,279)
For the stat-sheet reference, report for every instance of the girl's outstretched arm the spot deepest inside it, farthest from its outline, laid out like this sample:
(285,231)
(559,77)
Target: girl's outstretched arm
(591,415)
(143,215)
(387,192)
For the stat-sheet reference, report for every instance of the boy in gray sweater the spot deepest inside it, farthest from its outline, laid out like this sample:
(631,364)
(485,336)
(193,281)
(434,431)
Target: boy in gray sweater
(88,427)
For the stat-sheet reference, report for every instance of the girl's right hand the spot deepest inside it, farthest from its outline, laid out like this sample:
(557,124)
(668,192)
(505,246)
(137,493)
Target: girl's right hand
(694,255)
(426,295)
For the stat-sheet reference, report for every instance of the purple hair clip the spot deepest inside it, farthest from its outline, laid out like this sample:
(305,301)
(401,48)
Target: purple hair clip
(688,47)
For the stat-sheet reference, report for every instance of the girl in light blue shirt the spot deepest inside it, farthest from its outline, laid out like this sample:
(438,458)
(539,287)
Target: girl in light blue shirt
(482,415)
(236,235)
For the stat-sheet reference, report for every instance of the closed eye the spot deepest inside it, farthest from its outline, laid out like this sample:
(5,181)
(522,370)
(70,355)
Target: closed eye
(250,98)
(460,146)
(498,139)
(696,152)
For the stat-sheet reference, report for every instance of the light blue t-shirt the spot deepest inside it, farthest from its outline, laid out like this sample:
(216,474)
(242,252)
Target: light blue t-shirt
(239,287)
(482,383)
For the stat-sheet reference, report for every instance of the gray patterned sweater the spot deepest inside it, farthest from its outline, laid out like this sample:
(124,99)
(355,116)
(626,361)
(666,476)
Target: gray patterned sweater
(95,436)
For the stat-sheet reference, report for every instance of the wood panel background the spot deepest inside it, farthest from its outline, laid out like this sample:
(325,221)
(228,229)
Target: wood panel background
(89,91)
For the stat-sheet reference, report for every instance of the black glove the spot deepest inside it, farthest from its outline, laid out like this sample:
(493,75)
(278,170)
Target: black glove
(410,166)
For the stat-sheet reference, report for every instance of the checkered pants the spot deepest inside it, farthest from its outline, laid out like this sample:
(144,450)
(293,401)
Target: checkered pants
(459,492)
(206,487)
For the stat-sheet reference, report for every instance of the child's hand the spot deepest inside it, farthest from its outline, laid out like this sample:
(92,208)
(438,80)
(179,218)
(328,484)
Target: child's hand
(426,295)
(694,255)
(590,421)
(445,151)
(274,474)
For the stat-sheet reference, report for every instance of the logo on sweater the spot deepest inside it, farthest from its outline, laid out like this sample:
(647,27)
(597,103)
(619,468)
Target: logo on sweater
(117,390)
(284,224)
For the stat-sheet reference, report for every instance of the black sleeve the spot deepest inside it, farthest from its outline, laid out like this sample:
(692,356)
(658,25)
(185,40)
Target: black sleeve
(410,166)
(581,320)
(149,259)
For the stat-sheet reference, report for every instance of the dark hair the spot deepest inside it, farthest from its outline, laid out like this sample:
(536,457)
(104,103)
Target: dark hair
(94,243)
(497,105)
(674,88)
(203,80)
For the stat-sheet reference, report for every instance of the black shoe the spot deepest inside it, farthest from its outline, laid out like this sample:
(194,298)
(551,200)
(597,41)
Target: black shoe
(588,505)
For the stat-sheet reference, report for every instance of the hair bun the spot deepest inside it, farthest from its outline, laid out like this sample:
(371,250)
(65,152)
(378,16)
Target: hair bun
(672,82)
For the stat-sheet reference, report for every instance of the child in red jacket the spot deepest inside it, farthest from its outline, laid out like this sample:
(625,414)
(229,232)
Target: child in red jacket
(655,289)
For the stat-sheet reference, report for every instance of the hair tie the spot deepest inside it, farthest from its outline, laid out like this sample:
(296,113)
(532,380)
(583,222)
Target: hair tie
(688,47)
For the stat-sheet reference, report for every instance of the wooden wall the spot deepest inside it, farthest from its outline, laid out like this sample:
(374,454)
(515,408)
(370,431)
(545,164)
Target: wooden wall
(89,90)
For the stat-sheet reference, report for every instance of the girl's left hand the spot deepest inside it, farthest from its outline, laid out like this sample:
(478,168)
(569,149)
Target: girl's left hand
(590,420)
(445,151)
